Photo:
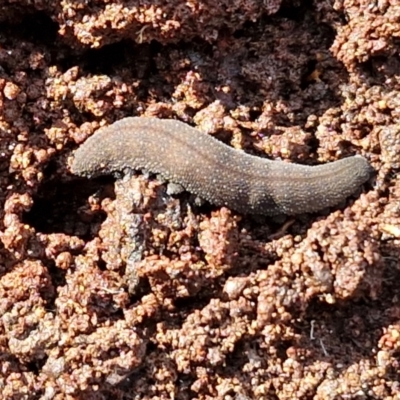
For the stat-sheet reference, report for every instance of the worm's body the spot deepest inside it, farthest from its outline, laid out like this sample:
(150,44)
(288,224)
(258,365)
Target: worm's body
(216,172)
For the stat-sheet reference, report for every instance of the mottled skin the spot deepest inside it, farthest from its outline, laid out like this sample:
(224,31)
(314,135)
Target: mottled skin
(216,172)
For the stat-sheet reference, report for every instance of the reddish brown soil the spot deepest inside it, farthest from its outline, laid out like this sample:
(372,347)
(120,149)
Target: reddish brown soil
(110,289)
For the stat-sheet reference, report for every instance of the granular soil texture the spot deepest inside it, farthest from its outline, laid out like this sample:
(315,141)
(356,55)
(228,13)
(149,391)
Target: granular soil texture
(110,288)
